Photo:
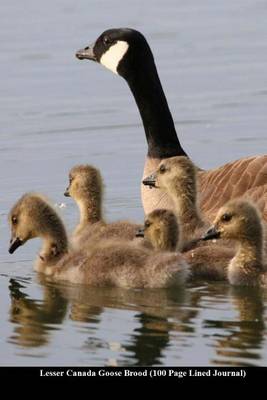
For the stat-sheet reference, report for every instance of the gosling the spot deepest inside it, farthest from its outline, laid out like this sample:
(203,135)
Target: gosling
(106,263)
(178,177)
(162,232)
(86,189)
(239,220)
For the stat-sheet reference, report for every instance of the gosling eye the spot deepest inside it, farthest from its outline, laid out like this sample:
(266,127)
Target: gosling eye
(226,217)
(162,169)
(147,224)
(14,220)
(107,40)
(70,179)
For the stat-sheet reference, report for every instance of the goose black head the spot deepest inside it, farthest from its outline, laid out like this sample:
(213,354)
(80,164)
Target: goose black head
(122,50)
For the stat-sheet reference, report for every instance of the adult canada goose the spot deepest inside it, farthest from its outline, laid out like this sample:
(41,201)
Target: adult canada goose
(126,52)
(239,220)
(162,231)
(106,263)
(86,188)
(258,195)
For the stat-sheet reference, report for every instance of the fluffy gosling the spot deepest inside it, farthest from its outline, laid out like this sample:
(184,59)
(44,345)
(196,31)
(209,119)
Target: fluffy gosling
(239,220)
(178,177)
(105,263)
(161,230)
(86,189)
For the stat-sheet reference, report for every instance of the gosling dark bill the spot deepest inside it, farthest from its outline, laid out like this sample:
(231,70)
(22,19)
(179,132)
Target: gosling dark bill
(212,233)
(150,181)
(140,233)
(14,244)
(67,193)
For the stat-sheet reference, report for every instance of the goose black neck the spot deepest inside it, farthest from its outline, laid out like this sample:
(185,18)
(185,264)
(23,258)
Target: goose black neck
(158,123)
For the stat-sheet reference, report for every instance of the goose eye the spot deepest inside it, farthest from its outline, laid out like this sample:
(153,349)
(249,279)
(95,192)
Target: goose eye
(14,220)
(107,40)
(162,169)
(226,217)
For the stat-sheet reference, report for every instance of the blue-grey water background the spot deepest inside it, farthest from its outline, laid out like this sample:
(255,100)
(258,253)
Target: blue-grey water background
(56,111)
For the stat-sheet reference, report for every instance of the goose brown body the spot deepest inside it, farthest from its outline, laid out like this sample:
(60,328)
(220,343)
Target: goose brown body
(247,176)
(258,195)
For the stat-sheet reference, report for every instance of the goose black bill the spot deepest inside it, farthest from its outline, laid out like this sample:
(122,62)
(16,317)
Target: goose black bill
(86,54)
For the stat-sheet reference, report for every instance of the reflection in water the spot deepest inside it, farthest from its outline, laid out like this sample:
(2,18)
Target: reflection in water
(149,339)
(152,336)
(239,339)
(154,308)
(163,316)
(160,319)
(34,320)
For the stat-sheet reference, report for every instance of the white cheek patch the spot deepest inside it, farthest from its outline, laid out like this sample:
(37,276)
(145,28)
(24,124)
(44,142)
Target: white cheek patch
(111,58)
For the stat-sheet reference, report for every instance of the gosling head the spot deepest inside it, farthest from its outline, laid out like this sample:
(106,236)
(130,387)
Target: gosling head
(237,220)
(161,230)
(33,217)
(84,181)
(122,50)
(174,172)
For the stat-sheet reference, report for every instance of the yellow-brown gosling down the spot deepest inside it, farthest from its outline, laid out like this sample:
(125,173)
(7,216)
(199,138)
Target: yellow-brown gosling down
(106,263)
(178,177)
(162,231)
(239,220)
(86,189)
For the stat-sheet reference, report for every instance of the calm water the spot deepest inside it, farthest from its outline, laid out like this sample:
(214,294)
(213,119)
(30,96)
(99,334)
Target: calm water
(56,112)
